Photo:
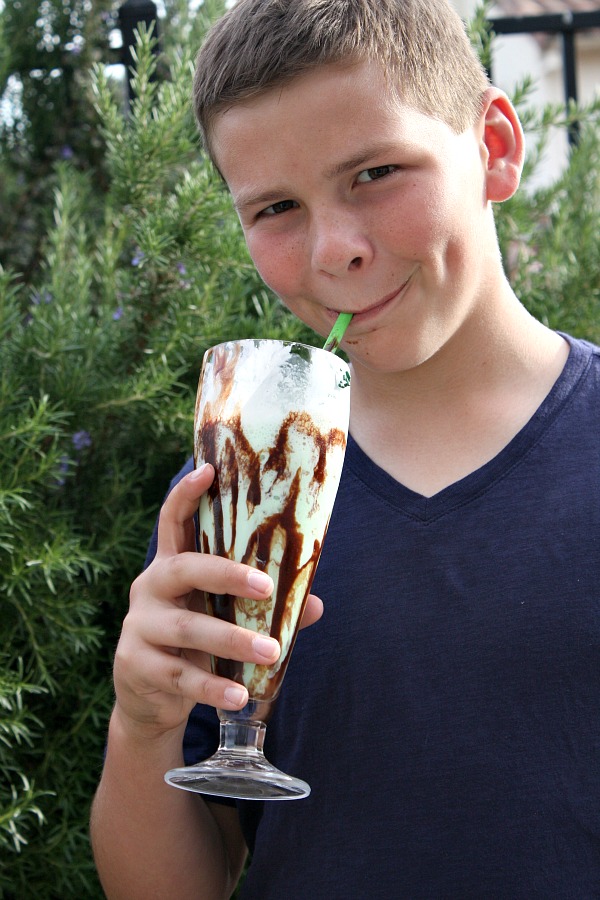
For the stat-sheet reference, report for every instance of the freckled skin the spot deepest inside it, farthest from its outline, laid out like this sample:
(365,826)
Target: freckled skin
(409,224)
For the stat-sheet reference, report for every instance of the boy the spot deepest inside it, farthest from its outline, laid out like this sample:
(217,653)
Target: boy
(444,711)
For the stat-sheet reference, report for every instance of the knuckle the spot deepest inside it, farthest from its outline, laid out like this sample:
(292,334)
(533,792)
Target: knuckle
(184,627)
(174,566)
(121,657)
(128,633)
(195,683)
(126,659)
(137,589)
(204,684)
(237,640)
(228,574)
(176,678)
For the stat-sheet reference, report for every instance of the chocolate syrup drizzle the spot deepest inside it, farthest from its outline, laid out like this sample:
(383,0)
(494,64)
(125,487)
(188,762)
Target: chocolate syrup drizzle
(238,469)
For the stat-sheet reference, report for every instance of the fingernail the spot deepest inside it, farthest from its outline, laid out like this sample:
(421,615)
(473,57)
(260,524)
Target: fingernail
(260,581)
(198,472)
(236,695)
(266,647)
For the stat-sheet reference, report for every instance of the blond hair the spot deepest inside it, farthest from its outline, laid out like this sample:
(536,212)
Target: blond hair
(421,45)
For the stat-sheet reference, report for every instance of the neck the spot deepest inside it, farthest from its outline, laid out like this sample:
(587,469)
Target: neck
(435,422)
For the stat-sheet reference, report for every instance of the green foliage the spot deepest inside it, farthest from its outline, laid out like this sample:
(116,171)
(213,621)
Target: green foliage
(49,636)
(46,50)
(480,33)
(127,265)
(101,351)
(549,236)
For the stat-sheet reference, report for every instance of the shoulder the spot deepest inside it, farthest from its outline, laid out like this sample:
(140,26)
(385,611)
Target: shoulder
(581,347)
(581,374)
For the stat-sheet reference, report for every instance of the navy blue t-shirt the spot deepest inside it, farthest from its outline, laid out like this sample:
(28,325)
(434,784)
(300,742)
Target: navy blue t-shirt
(445,710)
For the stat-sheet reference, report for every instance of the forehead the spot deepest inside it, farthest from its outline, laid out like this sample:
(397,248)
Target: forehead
(322,118)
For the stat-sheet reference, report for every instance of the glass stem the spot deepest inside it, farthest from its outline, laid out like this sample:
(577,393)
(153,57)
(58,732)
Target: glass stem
(242,737)
(243,730)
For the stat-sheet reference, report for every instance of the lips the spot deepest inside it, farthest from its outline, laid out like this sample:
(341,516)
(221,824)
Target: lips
(373,310)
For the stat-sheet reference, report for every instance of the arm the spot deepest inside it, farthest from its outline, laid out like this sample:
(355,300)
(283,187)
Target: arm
(150,839)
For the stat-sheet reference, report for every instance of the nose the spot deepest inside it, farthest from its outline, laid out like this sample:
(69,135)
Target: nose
(339,244)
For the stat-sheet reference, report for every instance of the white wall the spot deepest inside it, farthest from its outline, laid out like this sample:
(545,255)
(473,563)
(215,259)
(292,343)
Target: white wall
(515,56)
(464,7)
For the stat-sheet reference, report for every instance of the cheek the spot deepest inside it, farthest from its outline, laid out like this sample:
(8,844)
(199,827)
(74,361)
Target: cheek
(440,225)
(276,264)
(416,224)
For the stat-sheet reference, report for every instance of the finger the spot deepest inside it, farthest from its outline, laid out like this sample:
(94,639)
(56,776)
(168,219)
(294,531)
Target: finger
(203,687)
(159,673)
(312,611)
(176,525)
(188,630)
(174,577)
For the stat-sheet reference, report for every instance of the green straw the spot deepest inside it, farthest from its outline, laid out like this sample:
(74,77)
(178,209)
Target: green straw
(337,332)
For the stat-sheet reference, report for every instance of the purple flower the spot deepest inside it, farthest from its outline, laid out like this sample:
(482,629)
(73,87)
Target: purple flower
(81,440)
(66,152)
(118,313)
(181,268)
(38,298)
(138,257)
(63,468)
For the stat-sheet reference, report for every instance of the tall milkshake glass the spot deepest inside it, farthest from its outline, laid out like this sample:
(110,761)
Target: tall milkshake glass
(272,418)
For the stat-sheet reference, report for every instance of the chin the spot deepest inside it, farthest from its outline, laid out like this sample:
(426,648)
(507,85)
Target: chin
(393,361)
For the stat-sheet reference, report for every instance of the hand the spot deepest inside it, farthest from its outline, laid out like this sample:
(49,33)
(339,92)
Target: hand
(162,662)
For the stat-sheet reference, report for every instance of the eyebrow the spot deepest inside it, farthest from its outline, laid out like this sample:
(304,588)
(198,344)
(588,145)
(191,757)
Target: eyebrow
(277,194)
(360,158)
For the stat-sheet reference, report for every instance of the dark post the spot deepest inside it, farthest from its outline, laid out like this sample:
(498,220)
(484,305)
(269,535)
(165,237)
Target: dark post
(567,25)
(132,14)
(570,76)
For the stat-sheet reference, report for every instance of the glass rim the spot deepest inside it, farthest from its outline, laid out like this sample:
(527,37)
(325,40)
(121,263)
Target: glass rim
(281,343)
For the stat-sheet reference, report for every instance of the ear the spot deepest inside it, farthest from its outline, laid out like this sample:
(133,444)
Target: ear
(502,145)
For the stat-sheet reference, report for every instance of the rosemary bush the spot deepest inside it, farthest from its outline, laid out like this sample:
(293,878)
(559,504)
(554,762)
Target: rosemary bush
(100,357)
(549,236)
(138,266)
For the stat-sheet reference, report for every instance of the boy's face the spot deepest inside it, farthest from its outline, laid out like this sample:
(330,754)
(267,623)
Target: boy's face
(351,201)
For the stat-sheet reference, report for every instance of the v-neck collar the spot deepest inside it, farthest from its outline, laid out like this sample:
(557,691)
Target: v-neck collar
(478,482)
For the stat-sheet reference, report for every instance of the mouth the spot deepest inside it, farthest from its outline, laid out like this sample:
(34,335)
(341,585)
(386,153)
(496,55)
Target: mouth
(370,312)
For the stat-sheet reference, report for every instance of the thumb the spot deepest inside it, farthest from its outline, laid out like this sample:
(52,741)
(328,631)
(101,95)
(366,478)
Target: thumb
(176,521)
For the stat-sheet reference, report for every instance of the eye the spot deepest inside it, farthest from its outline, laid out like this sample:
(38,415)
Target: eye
(280,207)
(374,174)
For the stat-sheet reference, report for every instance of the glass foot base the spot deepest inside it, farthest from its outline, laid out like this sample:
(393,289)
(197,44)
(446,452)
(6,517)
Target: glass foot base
(242,779)
(239,768)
